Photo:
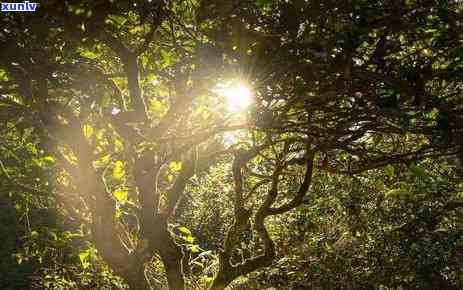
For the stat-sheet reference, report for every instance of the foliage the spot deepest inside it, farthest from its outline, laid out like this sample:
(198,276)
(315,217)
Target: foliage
(361,237)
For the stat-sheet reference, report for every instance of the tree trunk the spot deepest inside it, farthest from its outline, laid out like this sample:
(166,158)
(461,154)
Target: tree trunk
(224,276)
(219,284)
(172,256)
(134,275)
(137,280)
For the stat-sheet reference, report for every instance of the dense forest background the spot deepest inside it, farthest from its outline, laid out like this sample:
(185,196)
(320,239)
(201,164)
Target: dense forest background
(204,144)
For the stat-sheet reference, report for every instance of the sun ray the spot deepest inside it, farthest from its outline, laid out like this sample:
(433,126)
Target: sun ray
(237,95)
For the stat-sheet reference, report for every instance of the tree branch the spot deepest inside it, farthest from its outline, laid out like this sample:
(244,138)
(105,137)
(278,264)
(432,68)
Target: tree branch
(303,188)
(130,62)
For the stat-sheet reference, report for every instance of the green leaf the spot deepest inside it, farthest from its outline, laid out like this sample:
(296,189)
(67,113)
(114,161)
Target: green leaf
(121,195)
(189,239)
(389,170)
(175,166)
(3,75)
(54,236)
(83,256)
(118,170)
(19,258)
(167,58)
(48,159)
(85,52)
(397,192)
(156,107)
(118,20)
(118,145)
(185,231)
(88,131)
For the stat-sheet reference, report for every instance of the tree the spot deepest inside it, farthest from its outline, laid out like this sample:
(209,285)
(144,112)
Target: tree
(389,228)
(120,95)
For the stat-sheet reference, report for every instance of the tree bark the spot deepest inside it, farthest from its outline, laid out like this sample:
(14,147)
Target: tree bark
(220,282)
(136,278)
(218,285)
(172,257)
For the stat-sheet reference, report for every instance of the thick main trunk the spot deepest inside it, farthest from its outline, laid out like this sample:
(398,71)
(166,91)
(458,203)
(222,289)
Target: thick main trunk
(161,241)
(136,279)
(220,283)
(172,257)
(134,273)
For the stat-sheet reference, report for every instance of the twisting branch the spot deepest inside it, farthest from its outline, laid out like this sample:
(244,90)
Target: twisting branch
(228,272)
(177,189)
(304,187)
(198,138)
(130,62)
(371,163)
(267,257)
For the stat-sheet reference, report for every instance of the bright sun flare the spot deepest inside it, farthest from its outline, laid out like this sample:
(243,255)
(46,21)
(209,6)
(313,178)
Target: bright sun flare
(238,96)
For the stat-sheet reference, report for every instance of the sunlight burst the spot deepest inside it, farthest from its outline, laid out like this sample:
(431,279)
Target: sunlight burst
(238,95)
